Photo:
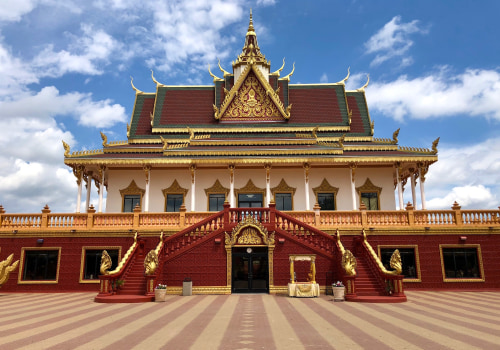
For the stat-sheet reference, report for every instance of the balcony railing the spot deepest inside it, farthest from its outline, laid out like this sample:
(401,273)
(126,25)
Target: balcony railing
(138,220)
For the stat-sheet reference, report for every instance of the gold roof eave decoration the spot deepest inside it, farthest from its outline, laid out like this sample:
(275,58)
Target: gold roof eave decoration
(243,129)
(251,160)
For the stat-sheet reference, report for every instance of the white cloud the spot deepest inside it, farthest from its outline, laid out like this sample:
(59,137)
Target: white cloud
(13,10)
(393,40)
(474,92)
(469,175)
(324,78)
(84,56)
(266,2)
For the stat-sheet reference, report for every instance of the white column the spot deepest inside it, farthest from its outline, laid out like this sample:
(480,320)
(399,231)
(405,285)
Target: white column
(306,184)
(101,187)
(147,171)
(400,188)
(231,185)
(353,187)
(89,187)
(193,186)
(268,184)
(421,175)
(79,174)
(413,193)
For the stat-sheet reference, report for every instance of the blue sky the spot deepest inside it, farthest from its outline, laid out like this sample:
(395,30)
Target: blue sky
(65,69)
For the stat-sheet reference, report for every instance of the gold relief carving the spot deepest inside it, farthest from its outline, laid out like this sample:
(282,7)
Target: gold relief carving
(147,171)
(174,188)
(349,263)
(125,257)
(105,263)
(246,224)
(229,261)
(283,187)
(104,139)
(217,188)
(325,187)
(252,102)
(249,236)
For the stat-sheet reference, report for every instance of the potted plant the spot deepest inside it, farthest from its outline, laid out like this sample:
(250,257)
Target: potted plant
(160,292)
(338,291)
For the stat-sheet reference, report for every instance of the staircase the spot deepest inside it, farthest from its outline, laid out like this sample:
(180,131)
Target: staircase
(366,283)
(135,281)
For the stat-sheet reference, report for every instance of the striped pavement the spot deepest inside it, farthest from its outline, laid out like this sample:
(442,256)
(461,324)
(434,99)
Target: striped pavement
(429,320)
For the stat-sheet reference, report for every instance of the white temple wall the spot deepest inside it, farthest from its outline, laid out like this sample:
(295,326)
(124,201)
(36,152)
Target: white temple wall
(119,180)
(381,177)
(294,177)
(206,178)
(336,177)
(163,178)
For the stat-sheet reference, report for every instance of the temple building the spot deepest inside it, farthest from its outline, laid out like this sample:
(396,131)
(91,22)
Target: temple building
(252,184)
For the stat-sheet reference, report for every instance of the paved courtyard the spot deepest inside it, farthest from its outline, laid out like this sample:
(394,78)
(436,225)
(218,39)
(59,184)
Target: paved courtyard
(429,320)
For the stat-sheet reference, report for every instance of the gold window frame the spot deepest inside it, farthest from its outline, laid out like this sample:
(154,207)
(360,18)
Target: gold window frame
(131,189)
(82,261)
(174,188)
(325,187)
(479,258)
(369,187)
(283,187)
(250,188)
(216,188)
(417,258)
(21,268)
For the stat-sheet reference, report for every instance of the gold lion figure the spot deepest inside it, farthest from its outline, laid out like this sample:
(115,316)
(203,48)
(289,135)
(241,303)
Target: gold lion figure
(151,263)
(105,263)
(349,263)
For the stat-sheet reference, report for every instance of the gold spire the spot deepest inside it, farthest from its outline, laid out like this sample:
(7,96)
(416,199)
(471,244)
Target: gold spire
(251,51)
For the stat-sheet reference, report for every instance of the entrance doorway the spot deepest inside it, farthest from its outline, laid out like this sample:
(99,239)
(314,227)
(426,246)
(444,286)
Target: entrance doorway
(250,270)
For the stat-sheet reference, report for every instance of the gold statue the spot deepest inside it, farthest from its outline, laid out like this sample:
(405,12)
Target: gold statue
(105,263)
(349,263)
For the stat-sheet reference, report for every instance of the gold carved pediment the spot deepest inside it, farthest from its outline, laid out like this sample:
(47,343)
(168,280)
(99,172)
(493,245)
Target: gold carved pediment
(325,187)
(217,188)
(132,189)
(252,99)
(283,187)
(175,188)
(249,231)
(250,188)
(368,186)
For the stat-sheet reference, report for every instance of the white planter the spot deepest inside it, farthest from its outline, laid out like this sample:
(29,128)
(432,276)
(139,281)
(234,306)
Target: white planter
(338,293)
(160,295)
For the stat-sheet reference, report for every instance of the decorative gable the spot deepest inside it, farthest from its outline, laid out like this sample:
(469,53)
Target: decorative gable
(252,99)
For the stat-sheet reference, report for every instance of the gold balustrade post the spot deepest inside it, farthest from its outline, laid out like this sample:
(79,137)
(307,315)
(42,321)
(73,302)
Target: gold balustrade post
(364,217)
(45,212)
(182,213)
(137,211)
(317,214)
(458,213)
(2,211)
(90,217)
(411,215)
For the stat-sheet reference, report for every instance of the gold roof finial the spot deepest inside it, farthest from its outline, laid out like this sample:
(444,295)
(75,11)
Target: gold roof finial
(362,89)
(343,81)
(154,80)
(287,77)
(137,91)
(224,72)
(251,52)
(250,25)
(216,78)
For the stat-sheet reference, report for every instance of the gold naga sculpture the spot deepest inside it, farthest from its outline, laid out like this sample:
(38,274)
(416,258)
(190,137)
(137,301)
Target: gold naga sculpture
(349,263)
(151,261)
(6,268)
(396,263)
(105,263)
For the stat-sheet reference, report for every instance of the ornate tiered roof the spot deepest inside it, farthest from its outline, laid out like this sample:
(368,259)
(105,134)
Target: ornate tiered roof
(251,116)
